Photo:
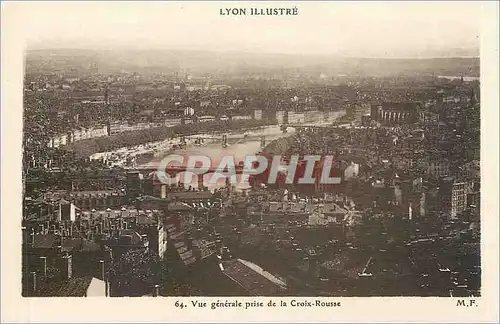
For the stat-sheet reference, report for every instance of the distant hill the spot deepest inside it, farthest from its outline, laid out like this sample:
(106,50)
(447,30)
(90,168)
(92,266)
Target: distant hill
(149,61)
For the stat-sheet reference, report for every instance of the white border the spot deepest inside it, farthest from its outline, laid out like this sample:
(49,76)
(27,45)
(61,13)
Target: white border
(15,308)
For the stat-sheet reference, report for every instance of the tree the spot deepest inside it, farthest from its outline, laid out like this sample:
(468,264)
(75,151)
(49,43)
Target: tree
(136,273)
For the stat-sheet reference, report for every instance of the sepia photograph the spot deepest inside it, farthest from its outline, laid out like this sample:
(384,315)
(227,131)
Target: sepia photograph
(299,152)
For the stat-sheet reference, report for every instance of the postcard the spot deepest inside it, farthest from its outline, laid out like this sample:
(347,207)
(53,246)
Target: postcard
(249,161)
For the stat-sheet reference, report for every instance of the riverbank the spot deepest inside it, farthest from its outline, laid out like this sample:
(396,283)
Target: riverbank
(278,146)
(86,148)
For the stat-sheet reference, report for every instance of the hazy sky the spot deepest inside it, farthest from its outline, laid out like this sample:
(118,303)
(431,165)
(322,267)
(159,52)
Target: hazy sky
(359,29)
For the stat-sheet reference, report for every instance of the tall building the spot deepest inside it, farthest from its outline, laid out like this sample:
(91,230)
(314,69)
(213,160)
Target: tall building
(67,211)
(473,98)
(391,113)
(257,114)
(453,196)
(133,183)
(106,96)
(349,110)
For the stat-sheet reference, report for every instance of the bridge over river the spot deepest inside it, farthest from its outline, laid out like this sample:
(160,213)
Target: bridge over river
(239,145)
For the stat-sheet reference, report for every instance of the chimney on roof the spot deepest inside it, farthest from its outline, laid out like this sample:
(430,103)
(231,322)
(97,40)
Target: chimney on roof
(197,252)
(31,239)
(34,283)
(218,244)
(68,266)
(313,263)
(189,242)
(44,260)
(25,236)
(103,277)
(156,292)
(102,269)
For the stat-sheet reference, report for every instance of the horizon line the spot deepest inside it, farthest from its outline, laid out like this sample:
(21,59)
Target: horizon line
(332,55)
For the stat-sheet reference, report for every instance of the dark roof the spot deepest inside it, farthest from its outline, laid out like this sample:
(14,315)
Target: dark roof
(253,281)
(80,245)
(186,255)
(117,213)
(251,235)
(143,219)
(191,195)
(178,206)
(146,112)
(96,193)
(135,238)
(74,287)
(45,241)
(35,217)
(349,263)
(148,198)
(401,106)
(206,248)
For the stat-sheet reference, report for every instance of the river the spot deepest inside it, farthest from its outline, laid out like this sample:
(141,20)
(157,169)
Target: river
(240,144)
